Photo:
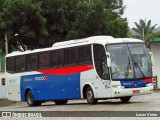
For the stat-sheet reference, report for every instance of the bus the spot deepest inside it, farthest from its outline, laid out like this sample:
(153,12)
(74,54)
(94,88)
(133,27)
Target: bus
(93,68)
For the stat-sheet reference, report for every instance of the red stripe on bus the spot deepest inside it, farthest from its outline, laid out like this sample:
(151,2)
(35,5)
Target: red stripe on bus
(149,80)
(67,70)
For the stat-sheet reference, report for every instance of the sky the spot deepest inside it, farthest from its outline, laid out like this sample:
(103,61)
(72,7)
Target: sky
(142,9)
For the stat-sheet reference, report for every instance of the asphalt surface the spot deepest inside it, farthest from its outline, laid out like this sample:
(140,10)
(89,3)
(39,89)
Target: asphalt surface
(5,102)
(79,108)
(149,102)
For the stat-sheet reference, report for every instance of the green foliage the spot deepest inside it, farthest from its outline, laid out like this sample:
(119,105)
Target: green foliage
(23,17)
(153,35)
(40,23)
(2,59)
(99,17)
(143,28)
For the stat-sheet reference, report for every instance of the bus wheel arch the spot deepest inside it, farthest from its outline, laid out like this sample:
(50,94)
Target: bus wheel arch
(88,93)
(30,99)
(84,90)
(26,91)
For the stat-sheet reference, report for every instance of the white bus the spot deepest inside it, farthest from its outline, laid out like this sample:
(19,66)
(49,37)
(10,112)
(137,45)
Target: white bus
(94,68)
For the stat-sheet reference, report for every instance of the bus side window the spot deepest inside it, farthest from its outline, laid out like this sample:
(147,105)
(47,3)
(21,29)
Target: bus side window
(57,58)
(88,55)
(81,55)
(10,64)
(44,60)
(100,64)
(20,63)
(84,54)
(73,55)
(105,70)
(32,62)
(67,58)
(70,56)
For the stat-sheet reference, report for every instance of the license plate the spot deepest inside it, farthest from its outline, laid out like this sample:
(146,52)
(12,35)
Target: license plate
(136,91)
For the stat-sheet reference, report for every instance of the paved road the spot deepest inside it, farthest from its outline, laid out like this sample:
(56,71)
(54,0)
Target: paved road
(137,103)
(141,103)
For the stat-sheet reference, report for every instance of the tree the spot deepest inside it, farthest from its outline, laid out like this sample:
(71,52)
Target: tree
(1,31)
(40,23)
(25,18)
(99,17)
(143,28)
(60,18)
(152,35)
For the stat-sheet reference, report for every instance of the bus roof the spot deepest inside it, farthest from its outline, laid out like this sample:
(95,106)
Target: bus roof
(79,42)
(89,40)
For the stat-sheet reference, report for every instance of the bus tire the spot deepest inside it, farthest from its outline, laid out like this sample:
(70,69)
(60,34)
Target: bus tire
(125,99)
(31,101)
(60,102)
(90,96)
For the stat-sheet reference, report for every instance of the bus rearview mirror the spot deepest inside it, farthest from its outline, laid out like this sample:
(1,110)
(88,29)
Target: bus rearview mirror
(152,58)
(108,59)
(109,62)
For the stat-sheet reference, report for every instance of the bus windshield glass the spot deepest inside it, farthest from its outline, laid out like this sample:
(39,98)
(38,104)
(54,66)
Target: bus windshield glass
(129,61)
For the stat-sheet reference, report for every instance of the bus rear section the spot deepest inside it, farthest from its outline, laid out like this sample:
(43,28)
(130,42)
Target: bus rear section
(50,75)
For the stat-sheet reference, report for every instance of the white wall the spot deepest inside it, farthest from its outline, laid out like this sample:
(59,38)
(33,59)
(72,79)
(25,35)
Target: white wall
(3,90)
(155,49)
(2,74)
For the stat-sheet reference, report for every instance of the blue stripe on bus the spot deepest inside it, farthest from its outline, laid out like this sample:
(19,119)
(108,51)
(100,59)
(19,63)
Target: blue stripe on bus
(133,84)
(51,87)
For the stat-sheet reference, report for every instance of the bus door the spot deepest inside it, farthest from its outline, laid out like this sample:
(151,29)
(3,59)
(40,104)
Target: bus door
(106,76)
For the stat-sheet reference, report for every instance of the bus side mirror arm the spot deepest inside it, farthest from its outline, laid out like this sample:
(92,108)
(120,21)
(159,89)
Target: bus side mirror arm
(109,62)
(108,59)
(152,58)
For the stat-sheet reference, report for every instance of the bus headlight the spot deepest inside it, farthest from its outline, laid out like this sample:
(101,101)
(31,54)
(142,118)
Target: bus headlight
(149,85)
(118,86)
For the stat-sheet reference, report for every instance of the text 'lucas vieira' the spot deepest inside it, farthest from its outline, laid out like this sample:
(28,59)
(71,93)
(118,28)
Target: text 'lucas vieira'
(146,115)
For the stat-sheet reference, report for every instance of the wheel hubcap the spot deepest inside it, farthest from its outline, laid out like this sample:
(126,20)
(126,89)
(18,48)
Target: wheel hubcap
(30,99)
(89,95)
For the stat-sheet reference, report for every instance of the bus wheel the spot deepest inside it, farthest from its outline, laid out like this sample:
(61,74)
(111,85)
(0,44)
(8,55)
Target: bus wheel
(60,102)
(30,100)
(125,99)
(90,96)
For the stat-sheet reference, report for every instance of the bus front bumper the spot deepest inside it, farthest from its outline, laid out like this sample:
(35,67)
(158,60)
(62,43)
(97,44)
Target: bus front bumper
(122,92)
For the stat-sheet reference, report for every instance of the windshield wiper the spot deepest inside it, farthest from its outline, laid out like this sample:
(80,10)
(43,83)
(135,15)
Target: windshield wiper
(128,67)
(137,66)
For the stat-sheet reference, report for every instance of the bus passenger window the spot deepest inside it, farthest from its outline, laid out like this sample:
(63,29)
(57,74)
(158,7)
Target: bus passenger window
(44,60)
(20,63)
(81,55)
(57,58)
(88,55)
(73,56)
(70,56)
(10,64)
(67,59)
(32,62)
(84,54)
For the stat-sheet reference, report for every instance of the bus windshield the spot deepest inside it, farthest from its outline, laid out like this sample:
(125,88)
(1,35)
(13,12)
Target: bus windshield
(129,61)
